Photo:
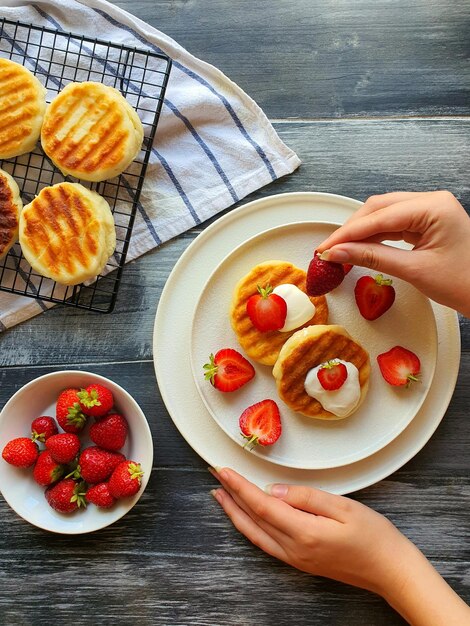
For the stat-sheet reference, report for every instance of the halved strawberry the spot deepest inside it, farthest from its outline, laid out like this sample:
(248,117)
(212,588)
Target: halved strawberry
(261,423)
(399,366)
(228,370)
(323,276)
(266,310)
(374,296)
(347,267)
(332,375)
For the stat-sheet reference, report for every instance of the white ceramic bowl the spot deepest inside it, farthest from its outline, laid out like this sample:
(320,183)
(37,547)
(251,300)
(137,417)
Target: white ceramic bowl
(17,485)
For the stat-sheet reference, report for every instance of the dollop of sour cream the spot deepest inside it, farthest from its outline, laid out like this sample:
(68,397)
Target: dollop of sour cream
(340,402)
(300,309)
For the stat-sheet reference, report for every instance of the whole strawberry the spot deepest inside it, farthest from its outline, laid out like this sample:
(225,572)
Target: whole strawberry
(96,400)
(43,427)
(96,465)
(125,479)
(63,447)
(66,496)
(99,495)
(68,411)
(47,471)
(110,432)
(21,452)
(323,276)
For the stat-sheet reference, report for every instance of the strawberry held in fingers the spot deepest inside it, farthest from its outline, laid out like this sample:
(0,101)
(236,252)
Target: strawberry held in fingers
(266,310)
(96,400)
(228,370)
(100,496)
(66,496)
(63,447)
(332,375)
(126,479)
(43,427)
(374,296)
(261,423)
(21,452)
(110,432)
(68,411)
(323,276)
(399,366)
(47,470)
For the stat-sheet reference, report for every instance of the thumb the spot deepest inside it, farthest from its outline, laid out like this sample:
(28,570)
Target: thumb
(311,500)
(376,256)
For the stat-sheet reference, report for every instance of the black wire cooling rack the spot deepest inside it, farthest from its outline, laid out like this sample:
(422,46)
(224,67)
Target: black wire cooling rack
(58,58)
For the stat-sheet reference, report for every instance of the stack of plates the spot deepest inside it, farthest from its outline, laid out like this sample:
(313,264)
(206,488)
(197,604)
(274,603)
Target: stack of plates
(192,321)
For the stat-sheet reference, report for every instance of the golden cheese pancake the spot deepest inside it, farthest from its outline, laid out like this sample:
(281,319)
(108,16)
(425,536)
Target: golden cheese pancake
(91,132)
(67,233)
(264,347)
(22,108)
(308,348)
(10,209)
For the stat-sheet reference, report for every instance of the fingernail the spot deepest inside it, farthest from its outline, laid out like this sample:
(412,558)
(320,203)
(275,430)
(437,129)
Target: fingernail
(215,494)
(277,490)
(336,256)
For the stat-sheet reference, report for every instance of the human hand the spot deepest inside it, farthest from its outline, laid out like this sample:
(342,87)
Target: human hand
(316,532)
(336,537)
(437,226)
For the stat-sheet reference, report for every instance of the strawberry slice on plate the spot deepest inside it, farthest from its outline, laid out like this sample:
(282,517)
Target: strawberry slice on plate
(323,276)
(228,370)
(266,310)
(374,296)
(399,366)
(261,423)
(332,375)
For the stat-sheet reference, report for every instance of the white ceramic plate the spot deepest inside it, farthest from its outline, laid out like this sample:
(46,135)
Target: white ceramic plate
(18,487)
(307,443)
(172,340)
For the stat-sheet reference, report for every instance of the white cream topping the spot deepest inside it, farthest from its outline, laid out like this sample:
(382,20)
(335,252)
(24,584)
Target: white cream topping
(340,402)
(300,309)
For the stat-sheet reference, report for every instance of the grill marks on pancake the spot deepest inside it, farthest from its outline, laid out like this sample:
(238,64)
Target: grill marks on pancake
(59,227)
(18,107)
(310,353)
(8,215)
(265,347)
(101,147)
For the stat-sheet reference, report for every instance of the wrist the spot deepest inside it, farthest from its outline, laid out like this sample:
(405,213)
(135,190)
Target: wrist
(421,596)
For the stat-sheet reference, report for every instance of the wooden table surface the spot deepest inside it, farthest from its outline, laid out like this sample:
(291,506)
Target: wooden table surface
(373,96)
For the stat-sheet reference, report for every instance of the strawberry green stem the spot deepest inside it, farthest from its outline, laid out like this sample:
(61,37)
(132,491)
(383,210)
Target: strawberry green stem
(251,442)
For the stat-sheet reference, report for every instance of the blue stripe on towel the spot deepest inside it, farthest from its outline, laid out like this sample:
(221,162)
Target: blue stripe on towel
(201,80)
(169,104)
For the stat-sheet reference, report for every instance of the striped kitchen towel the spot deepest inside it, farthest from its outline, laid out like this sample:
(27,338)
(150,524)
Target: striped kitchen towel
(214,144)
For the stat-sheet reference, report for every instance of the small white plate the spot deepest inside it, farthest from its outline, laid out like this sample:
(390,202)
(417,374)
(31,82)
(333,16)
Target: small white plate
(172,341)
(308,443)
(18,487)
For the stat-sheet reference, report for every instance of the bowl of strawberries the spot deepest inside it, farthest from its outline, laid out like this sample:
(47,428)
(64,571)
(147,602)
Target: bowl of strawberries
(76,450)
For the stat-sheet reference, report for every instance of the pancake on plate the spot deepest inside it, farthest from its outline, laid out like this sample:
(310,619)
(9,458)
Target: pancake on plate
(305,350)
(91,132)
(10,209)
(264,347)
(22,108)
(67,233)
